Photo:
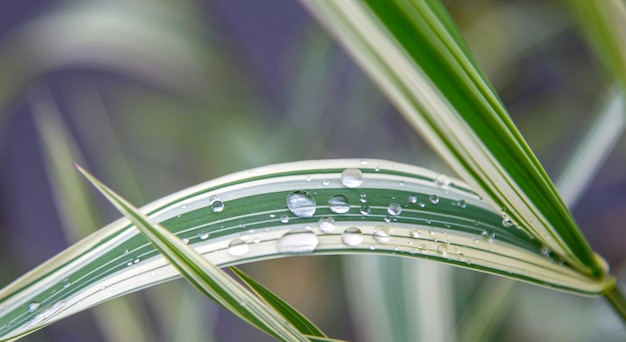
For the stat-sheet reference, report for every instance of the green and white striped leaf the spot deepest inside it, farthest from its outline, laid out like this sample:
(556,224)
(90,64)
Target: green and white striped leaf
(414,52)
(264,213)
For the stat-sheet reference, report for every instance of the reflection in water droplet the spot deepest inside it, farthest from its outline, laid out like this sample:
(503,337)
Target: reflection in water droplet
(33,306)
(351,177)
(442,250)
(434,199)
(284,219)
(414,233)
(237,247)
(394,209)
(365,210)
(488,235)
(442,181)
(204,235)
(327,224)
(413,199)
(301,203)
(339,204)
(217,206)
(352,236)
(381,233)
(298,241)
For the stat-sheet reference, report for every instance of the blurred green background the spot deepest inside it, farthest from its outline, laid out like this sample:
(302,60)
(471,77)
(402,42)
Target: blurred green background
(159,96)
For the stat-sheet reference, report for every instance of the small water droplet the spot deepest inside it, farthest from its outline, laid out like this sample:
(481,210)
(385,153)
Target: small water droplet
(129,263)
(377,169)
(461,204)
(372,248)
(414,233)
(237,247)
(136,260)
(298,242)
(363,162)
(204,235)
(308,178)
(363,197)
(488,235)
(442,181)
(272,215)
(301,203)
(545,251)
(32,307)
(394,209)
(327,224)
(381,233)
(421,204)
(284,219)
(185,241)
(421,248)
(434,199)
(351,177)
(387,219)
(365,210)
(506,221)
(442,250)
(352,236)
(256,241)
(339,204)
(325,182)
(217,206)
(413,199)
(401,183)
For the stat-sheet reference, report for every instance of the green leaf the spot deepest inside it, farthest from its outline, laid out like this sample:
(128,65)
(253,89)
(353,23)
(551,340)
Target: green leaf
(292,315)
(414,52)
(204,276)
(399,210)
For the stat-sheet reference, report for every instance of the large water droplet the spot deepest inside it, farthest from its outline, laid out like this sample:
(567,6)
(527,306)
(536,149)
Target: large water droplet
(298,241)
(237,247)
(434,199)
(352,236)
(33,306)
(489,236)
(365,210)
(339,204)
(394,209)
(301,203)
(442,181)
(351,177)
(442,250)
(381,233)
(327,224)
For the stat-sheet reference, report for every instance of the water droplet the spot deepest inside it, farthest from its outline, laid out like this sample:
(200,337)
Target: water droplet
(506,221)
(414,233)
(325,182)
(545,251)
(256,241)
(364,162)
(272,215)
(363,197)
(421,204)
(488,235)
(351,177)
(377,169)
(442,181)
(185,241)
(372,248)
(204,235)
(298,241)
(217,206)
(129,263)
(339,204)
(284,219)
(413,199)
(308,178)
(237,247)
(442,250)
(421,248)
(387,219)
(402,183)
(394,209)
(33,306)
(461,204)
(301,203)
(136,260)
(352,236)
(365,210)
(434,199)
(381,233)
(327,224)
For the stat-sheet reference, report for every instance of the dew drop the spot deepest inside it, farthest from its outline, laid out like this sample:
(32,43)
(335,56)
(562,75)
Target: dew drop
(339,204)
(308,178)
(352,236)
(237,247)
(506,221)
(387,219)
(136,260)
(421,204)
(217,206)
(402,183)
(325,182)
(394,209)
(298,242)
(381,233)
(32,307)
(204,235)
(284,219)
(351,177)
(434,199)
(461,204)
(301,203)
(365,210)
(442,250)
(372,248)
(488,235)
(327,224)
(413,199)
(363,197)
(363,162)
(272,215)
(414,233)
(185,241)
(442,181)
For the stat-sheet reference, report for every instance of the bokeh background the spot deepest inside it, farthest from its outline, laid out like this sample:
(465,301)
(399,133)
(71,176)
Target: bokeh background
(160,95)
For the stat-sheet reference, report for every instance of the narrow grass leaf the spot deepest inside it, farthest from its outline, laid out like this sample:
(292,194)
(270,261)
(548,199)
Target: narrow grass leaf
(293,316)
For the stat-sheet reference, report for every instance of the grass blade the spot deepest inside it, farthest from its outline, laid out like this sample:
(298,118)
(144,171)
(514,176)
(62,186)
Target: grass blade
(395,209)
(204,276)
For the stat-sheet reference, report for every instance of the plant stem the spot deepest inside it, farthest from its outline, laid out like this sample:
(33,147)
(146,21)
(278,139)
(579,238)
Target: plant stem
(615,296)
